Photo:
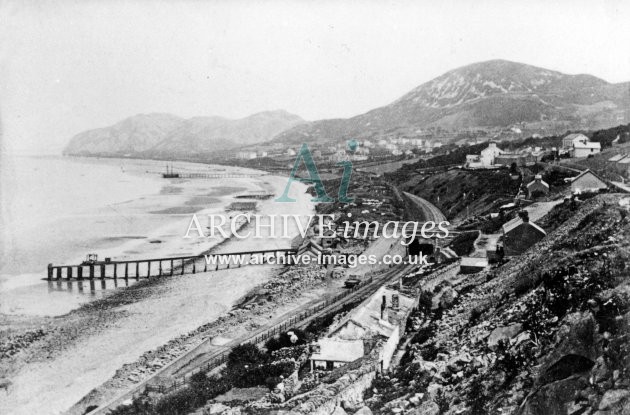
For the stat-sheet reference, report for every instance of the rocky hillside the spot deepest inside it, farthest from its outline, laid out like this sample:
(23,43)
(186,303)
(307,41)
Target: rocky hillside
(495,93)
(546,333)
(149,135)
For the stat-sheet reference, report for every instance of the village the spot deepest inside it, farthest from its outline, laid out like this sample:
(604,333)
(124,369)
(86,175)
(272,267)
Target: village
(331,366)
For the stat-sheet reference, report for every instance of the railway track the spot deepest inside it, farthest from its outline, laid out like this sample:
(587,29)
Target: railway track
(195,360)
(430,210)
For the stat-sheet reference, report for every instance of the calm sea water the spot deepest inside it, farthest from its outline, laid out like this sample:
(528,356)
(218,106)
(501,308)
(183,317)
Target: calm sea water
(58,209)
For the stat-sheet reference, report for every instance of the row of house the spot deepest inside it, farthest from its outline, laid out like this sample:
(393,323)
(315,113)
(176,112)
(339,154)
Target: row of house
(492,157)
(587,181)
(519,234)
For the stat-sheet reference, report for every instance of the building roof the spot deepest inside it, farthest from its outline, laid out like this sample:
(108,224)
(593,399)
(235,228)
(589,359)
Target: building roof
(617,157)
(574,136)
(539,180)
(368,314)
(310,247)
(625,160)
(339,350)
(588,144)
(474,262)
(517,222)
(297,242)
(587,171)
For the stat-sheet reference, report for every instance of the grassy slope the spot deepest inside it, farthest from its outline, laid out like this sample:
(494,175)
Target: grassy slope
(455,190)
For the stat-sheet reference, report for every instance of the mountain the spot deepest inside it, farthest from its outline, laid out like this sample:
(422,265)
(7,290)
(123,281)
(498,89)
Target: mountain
(131,135)
(491,94)
(167,135)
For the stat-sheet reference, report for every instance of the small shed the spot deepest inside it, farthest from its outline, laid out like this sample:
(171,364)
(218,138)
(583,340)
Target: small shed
(470,265)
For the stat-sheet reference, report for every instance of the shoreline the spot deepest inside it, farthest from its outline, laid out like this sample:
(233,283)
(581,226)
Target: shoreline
(143,224)
(71,331)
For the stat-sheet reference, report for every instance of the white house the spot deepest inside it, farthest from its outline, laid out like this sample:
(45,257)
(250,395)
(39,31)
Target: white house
(486,158)
(585,149)
(567,142)
(488,154)
(246,155)
(383,316)
(580,145)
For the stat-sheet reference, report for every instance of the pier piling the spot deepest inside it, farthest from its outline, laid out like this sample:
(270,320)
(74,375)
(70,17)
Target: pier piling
(72,272)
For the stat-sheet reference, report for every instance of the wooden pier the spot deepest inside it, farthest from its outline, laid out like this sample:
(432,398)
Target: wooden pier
(157,267)
(211,175)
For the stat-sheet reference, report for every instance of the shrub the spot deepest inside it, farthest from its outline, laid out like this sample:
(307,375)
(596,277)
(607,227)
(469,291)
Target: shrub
(284,340)
(178,403)
(258,375)
(425,302)
(424,334)
(475,314)
(477,397)
(429,351)
(442,401)
(245,355)
(463,244)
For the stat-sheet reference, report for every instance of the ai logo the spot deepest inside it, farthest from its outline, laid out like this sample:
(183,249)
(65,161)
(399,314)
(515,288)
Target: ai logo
(315,179)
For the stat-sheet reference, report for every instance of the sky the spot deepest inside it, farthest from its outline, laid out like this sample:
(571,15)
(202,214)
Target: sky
(69,66)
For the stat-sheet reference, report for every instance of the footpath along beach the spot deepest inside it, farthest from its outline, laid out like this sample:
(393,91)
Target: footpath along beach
(73,353)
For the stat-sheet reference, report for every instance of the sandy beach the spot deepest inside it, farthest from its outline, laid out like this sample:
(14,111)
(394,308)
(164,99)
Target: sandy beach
(79,350)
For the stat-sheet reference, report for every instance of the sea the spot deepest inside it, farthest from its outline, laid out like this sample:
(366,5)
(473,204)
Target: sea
(59,209)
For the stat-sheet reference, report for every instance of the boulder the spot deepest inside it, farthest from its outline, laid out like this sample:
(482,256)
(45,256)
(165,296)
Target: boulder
(564,367)
(503,333)
(552,398)
(578,335)
(614,399)
(458,362)
(447,299)
(576,351)
(216,408)
(339,411)
(427,408)
(433,388)
(363,411)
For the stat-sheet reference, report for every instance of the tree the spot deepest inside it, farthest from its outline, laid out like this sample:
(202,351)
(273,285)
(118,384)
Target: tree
(513,169)
(293,337)
(425,302)
(245,355)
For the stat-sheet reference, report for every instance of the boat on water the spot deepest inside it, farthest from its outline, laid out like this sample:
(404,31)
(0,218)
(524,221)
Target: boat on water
(170,174)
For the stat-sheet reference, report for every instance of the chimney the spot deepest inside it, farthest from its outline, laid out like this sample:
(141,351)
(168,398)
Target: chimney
(383,307)
(368,345)
(395,302)
(538,177)
(524,215)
